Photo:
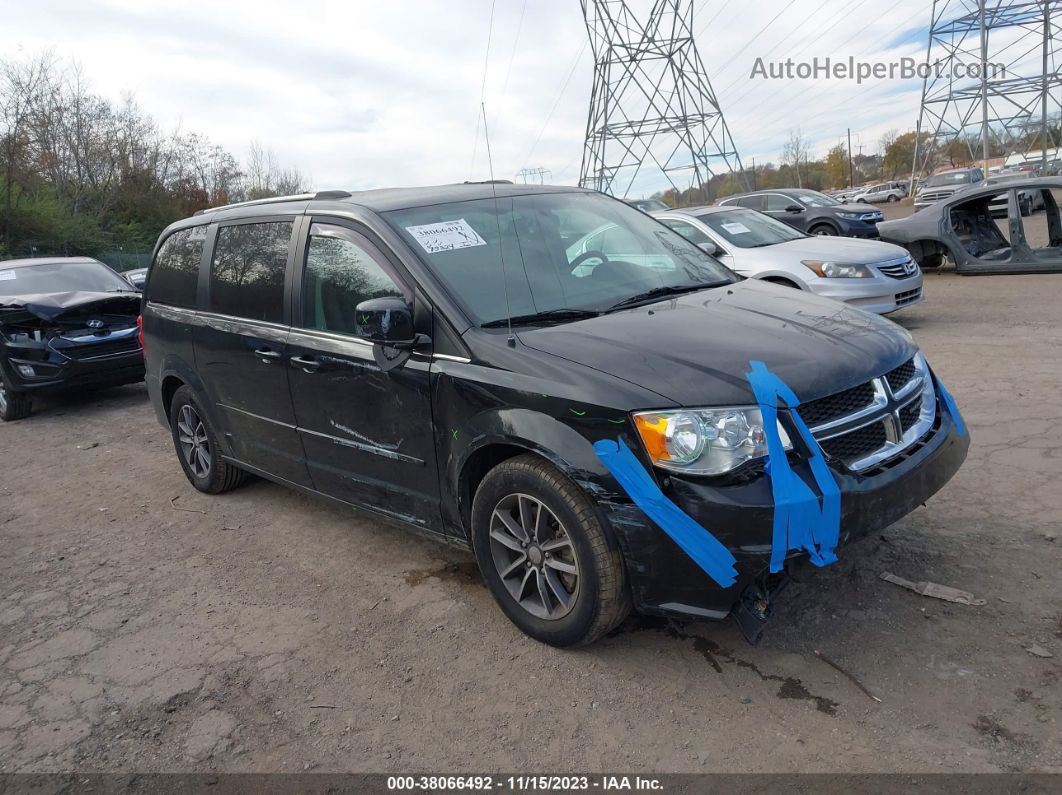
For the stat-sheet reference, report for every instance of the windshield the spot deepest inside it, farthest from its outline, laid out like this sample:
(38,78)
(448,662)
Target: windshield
(748,228)
(812,198)
(552,251)
(61,277)
(954,178)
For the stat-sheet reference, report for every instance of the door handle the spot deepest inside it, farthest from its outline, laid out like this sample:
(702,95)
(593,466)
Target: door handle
(267,355)
(308,364)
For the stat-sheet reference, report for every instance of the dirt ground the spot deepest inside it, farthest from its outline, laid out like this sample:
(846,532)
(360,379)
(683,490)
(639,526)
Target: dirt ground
(147,627)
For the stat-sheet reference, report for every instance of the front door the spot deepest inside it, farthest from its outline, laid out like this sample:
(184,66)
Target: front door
(367,434)
(241,346)
(777,206)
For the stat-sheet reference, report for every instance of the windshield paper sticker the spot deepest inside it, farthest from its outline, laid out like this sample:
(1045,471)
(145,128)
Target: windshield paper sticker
(446,236)
(7,276)
(735,228)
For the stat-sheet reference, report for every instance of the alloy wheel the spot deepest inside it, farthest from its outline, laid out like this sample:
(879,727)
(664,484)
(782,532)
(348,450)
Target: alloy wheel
(195,444)
(534,556)
(3,398)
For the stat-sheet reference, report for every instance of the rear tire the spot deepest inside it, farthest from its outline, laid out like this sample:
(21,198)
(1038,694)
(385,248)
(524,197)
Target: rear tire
(13,405)
(196,444)
(536,534)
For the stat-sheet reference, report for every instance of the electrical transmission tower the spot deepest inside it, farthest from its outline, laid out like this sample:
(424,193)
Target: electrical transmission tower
(652,104)
(1008,110)
(534,175)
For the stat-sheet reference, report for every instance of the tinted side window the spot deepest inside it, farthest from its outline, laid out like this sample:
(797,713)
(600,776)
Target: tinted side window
(778,203)
(752,202)
(175,272)
(689,231)
(247,272)
(340,273)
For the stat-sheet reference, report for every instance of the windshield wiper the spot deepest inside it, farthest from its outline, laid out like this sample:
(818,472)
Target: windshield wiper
(661,292)
(550,315)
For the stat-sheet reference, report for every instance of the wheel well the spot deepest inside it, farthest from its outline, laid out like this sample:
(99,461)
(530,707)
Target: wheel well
(475,469)
(782,281)
(821,224)
(170,385)
(922,250)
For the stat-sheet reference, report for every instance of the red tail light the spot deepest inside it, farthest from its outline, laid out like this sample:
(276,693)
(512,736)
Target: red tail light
(140,331)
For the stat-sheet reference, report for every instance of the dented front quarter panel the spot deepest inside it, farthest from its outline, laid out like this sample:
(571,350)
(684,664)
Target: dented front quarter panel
(548,407)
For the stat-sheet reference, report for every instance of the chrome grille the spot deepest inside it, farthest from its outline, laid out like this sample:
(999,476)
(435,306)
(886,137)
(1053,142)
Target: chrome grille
(900,411)
(898,268)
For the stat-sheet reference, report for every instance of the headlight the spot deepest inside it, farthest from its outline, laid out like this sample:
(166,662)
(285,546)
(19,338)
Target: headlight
(704,441)
(854,216)
(837,271)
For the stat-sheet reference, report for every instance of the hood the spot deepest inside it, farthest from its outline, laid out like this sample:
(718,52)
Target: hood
(845,250)
(52,306)
(856,207)
(695,349)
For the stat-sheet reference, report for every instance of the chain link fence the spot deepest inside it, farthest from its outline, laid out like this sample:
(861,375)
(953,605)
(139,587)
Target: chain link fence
(120,259)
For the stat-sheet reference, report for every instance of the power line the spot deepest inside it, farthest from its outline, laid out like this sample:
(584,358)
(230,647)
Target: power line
(556,102)
(775,47)
(509,70)
(793,97)
(482,89)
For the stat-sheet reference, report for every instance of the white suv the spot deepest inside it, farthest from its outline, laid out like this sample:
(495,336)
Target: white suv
(878,193)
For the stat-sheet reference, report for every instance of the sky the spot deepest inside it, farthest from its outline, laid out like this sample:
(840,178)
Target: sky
(362,94)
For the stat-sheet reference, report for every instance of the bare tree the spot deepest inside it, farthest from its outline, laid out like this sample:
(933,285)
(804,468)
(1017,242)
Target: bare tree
(795,152)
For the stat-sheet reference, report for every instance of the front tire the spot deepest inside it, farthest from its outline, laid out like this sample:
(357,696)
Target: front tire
(545,555)
(824,229)
(196,444)
(13,405)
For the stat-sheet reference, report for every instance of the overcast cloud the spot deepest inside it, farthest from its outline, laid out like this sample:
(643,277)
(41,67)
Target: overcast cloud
(366,94)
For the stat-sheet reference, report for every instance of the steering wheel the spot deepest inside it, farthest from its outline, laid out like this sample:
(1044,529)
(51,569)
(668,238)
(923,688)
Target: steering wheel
(592,254)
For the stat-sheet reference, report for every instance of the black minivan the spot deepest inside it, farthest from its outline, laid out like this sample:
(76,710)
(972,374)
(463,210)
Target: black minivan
(647,430)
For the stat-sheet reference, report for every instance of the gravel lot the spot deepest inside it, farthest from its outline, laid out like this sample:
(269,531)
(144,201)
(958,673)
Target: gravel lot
(147,627)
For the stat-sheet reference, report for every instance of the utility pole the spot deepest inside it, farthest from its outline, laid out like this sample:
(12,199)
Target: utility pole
(851,171)
(754,173)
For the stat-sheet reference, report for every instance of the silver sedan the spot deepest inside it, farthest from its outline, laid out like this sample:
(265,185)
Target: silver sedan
(875,276)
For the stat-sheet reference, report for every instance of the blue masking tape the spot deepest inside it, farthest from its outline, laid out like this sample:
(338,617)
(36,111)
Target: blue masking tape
(704,548)
(953,409)
(801,519)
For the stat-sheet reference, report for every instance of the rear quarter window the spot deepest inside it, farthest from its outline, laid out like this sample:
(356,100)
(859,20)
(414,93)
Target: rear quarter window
(174,275)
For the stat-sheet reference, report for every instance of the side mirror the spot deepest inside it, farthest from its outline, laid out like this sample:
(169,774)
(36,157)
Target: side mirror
(713,249)
(385,321)
(794,208)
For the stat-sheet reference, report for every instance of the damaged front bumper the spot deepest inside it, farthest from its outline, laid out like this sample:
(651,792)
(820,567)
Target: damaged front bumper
(73,361)
(665,581)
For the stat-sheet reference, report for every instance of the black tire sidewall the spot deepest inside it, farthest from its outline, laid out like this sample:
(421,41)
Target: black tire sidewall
(572,628)
(210,484)
(18,403)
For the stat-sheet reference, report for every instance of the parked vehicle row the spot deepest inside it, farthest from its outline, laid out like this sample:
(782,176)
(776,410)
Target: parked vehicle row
(875,276)
(811,212)
(579,393)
